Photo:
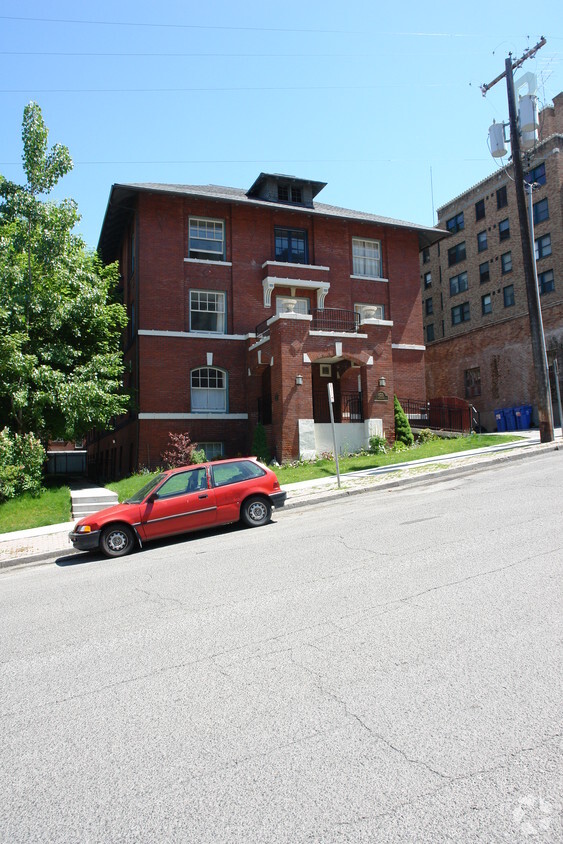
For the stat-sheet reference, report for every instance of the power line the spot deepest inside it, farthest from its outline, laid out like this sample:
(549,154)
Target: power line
(231,89)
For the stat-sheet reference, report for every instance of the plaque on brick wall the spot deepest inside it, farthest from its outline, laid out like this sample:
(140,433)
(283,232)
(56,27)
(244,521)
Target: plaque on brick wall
(381,396)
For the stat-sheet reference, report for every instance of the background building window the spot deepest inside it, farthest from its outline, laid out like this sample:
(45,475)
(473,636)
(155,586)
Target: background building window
(504,229)
(207,311)
(506,262)
(429,306)
(206,239)
(460,313)
(484,274)
(366,258)
(536,175)
(546,282)
(479,210)
(541,211)
(430,332)
(472,382)
(482,241)
(543,246)
(456,254)
(427,280)
(455,224)
(209,390)
(486,304)
(502,198)
(425,255)
(508,294)
(291,246)
(213,451)
(458,283)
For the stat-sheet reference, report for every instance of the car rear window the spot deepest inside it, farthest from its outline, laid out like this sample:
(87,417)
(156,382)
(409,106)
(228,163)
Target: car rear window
(233,473)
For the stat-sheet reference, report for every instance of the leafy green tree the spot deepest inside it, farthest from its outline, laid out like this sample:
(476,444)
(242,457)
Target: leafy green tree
(260,444)
(403,433)
(60,320)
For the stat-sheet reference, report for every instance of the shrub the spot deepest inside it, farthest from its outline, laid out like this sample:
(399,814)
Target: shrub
(181,451)
(426,436)
(260,444)
(399,445)
(403,431)
(21,464)
(378,445)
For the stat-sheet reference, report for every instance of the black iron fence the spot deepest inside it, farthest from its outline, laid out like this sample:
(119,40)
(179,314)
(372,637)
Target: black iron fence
(459,417)
(335,319)
(263,329)
(348,409)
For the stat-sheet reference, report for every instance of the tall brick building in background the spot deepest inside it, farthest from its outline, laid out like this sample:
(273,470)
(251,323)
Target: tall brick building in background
(474,301)
(243,305)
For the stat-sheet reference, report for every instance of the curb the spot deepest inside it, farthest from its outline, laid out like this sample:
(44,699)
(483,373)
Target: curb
(482,463)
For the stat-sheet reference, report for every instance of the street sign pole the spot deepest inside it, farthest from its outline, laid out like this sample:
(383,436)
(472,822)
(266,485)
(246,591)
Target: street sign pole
(330,403)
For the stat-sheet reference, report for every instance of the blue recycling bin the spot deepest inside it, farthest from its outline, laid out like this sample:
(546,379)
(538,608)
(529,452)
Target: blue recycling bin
(523,415)
(510,418)
(500,420)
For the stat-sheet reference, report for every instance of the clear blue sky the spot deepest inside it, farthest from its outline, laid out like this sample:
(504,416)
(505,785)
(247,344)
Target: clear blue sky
(369,97)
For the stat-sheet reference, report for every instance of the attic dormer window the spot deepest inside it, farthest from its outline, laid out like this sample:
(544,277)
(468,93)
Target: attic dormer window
(287,194)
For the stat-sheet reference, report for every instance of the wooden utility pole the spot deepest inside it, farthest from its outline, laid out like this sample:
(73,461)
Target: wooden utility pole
(539,355)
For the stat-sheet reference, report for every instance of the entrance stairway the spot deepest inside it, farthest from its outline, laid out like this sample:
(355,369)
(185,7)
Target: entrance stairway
(87,498)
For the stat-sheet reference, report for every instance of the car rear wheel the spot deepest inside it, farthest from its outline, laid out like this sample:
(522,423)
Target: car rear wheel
(256,511)
(117,540)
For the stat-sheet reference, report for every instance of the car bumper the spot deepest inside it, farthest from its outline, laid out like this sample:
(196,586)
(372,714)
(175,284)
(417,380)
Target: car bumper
(85,541)
(278,498)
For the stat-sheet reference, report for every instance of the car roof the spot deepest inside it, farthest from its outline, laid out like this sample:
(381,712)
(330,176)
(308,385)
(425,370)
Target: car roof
(210,463)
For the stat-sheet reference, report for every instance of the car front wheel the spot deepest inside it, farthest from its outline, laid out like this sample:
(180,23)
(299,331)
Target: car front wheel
(117,540)
(256,511)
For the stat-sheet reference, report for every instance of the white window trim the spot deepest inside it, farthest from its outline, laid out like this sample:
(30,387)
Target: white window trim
(357,238)
(202,415)
(412,347)
(370,278)
(220,293)
(205,261)
(211,251)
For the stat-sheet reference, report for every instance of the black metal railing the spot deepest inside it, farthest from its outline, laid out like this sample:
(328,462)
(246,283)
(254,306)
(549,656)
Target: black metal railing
(348,409)
(441,417)
(263,329)
(335,319)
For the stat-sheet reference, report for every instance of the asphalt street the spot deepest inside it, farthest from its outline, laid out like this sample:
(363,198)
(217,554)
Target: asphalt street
(381,668)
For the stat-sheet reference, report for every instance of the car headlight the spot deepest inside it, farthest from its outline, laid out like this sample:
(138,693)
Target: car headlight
(83,529)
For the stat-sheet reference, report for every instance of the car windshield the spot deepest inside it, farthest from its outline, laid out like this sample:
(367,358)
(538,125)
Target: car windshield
(144,491)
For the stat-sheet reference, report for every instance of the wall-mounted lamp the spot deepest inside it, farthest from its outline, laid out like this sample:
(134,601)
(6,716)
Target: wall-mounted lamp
(298,380)
(382,382)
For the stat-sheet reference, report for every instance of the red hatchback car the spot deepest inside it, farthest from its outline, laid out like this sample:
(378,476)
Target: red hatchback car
(182,500)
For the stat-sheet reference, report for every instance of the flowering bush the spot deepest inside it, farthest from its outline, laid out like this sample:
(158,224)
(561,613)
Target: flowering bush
(21,464)
(182,451)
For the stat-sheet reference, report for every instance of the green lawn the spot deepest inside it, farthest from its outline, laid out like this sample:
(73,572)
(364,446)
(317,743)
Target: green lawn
(436,448)
(128,486)
(25,512)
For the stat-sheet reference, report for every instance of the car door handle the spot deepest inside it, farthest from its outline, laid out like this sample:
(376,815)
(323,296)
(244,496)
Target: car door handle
(203,496)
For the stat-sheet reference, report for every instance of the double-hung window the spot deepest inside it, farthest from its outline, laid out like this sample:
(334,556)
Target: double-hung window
(536,175)
(486,304)
(207,311)
(482,241)
(427,280)
(484,272)
(366,258)
(546,282)
(541,211)
(460,313)
(209,390)
(508,295)
(543,246)
(206,239)
(456,254)
(455,224)
(502,198)
(479,210)
(506,262)
(291,246)
(504,229)
(458,283)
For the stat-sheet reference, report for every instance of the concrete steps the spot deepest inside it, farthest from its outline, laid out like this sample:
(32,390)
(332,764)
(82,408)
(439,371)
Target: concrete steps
(88,498)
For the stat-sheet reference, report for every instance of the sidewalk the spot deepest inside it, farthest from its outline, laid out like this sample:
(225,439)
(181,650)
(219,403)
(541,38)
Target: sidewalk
(33,546)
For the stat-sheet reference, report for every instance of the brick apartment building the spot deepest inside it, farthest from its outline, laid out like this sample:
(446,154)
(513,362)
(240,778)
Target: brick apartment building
(474,301)
(244,305)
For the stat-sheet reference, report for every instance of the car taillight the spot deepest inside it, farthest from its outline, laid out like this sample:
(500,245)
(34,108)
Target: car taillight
(276,484)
